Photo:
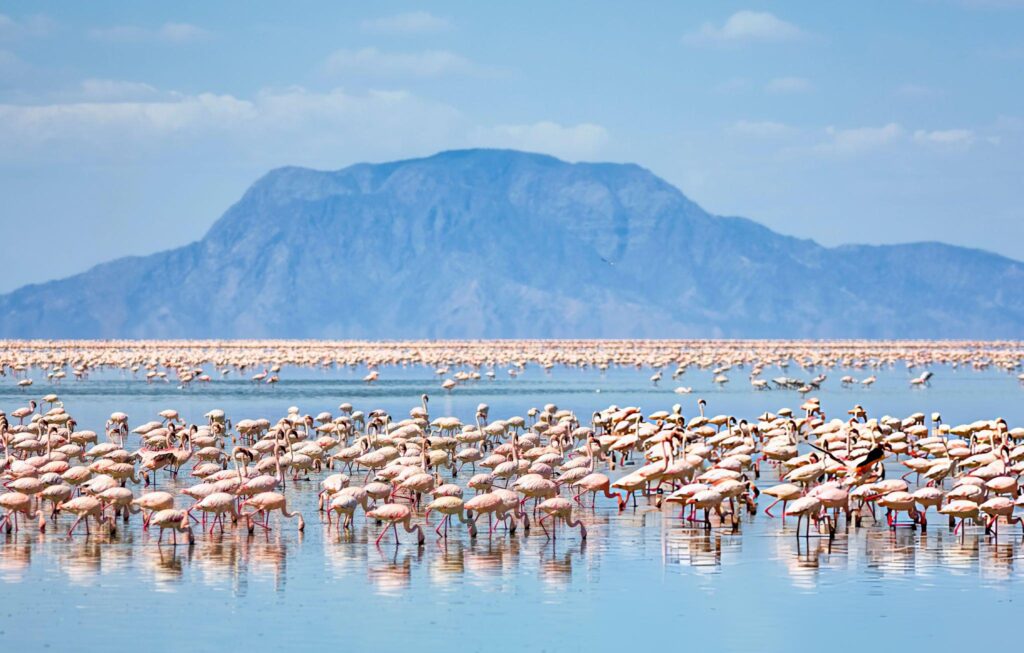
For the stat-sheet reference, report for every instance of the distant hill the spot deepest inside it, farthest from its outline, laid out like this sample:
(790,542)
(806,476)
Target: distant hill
(497,243)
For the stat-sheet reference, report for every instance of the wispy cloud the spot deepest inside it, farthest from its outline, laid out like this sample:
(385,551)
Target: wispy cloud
(276,125)
(115,90)
(797,142)
(745,27)
(166,33)
(567,141)
(960,138)
(371,61)
(761,129)
(860,139)
(15,28)
(788,85)
(413,22)
(296,124)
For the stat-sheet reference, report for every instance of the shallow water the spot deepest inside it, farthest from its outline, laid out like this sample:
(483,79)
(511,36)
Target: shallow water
(643,576)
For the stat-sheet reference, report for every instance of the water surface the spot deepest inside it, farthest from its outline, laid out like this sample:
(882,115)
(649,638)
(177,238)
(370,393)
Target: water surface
(642,578)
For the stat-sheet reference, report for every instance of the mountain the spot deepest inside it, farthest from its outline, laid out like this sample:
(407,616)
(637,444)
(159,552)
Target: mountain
(497,243)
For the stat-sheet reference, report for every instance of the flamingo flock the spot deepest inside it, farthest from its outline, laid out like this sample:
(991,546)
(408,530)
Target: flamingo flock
(533,475)
(262,362)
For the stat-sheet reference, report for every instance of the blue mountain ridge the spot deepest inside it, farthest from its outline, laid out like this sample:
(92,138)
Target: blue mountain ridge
(507,244)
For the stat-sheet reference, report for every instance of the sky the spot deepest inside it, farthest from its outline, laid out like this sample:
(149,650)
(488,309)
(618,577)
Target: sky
(129,127)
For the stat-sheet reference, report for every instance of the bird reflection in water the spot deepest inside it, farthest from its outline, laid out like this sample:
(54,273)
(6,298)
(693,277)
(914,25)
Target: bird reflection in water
(220,562)
(693,549)
(393,573)
(961,554)
(345,553)
(692,545)
(81,561)
(449,563)
(805,558)
(556,568)
(492,558)
(167,564)
(889,552)
(998,565)
(267,556)
(15,560)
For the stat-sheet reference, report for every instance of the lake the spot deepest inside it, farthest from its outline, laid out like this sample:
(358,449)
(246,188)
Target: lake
(642,578)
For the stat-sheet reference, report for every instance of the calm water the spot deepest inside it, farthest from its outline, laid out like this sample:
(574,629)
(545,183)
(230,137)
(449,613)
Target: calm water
(642,577)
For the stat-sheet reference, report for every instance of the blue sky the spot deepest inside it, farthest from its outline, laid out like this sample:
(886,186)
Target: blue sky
(129,127)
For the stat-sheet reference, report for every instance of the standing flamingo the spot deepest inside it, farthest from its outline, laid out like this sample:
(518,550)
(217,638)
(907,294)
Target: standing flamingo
(559,508)
(394,514)
(266,502)
(449,507)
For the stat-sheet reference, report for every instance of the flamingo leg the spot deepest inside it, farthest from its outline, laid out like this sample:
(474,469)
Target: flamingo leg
(381,536)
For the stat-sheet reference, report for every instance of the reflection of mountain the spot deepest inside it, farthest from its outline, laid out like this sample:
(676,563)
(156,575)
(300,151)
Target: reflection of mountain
(486,243)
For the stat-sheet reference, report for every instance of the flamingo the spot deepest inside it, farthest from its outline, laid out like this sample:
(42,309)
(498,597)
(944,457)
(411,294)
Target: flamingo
(266,502)
(593,483)
(559,508)
(218,504)
(808,508)
(14,503)
(783,493)
(177,521)
(153,502)
(394,514)
(86,507)
(24,411)
(449,507)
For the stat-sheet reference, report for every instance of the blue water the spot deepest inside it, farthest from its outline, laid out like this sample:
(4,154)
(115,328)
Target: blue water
(643,578)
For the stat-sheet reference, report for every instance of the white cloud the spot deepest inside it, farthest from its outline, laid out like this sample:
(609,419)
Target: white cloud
(272,128)
(413,22)
(892,138)
(860,139)
(788,85)
(371,61)
(570,142)
(745,27)
(166,33)
(111,129)
(113,90)
(181,32)
(960,138)
(36,25)
(761,129)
